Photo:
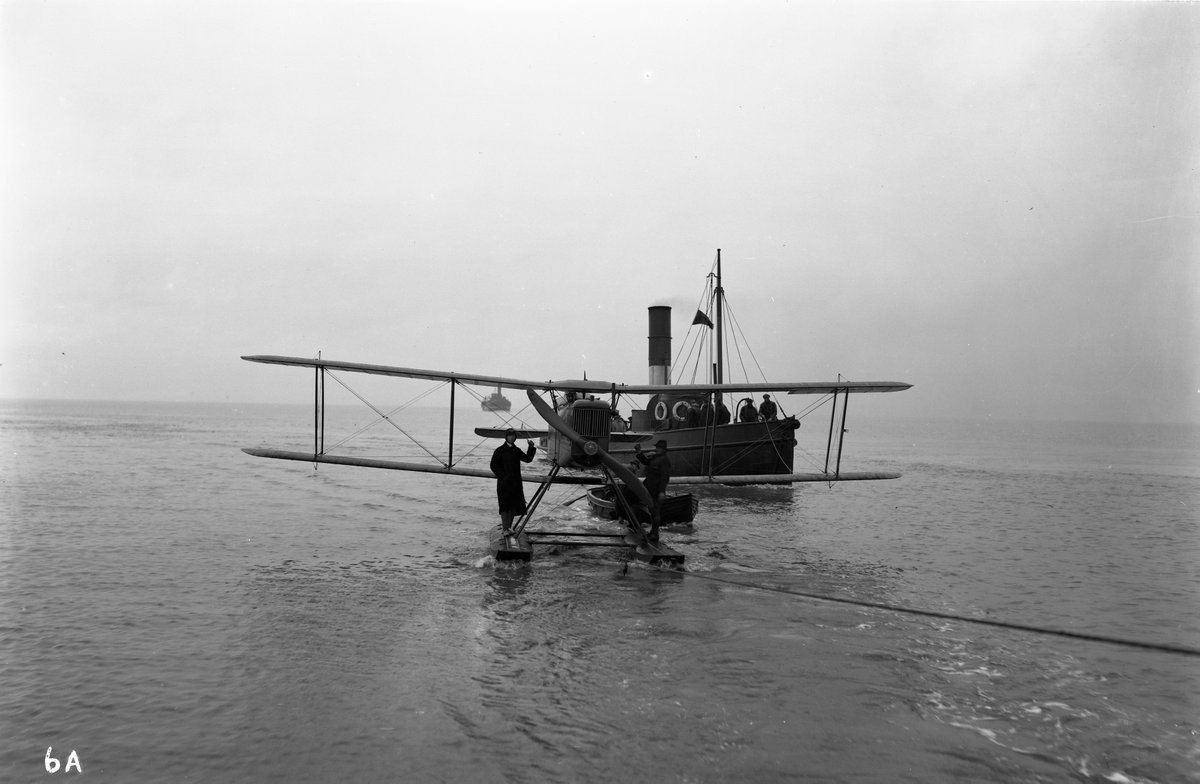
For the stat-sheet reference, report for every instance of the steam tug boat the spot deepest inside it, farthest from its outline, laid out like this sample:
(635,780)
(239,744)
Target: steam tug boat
(701,429)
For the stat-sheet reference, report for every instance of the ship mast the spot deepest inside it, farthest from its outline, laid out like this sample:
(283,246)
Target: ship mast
(720,295)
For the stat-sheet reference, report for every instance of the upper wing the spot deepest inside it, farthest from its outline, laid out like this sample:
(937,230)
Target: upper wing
(403,372)
(593,387)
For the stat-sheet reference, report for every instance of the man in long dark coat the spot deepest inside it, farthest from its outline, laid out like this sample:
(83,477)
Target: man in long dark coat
(656,479)
(506,465)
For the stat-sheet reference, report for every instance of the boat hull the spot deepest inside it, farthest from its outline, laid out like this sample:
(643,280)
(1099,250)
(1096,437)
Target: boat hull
(737,448)
(675,509)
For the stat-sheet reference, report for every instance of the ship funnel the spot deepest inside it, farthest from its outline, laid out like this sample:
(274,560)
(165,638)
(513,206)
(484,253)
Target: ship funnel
(660,344)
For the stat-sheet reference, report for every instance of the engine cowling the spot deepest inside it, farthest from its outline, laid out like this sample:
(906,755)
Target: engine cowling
(592,419)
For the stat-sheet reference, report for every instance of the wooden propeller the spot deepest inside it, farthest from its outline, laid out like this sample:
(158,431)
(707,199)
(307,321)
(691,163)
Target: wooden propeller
(616,466)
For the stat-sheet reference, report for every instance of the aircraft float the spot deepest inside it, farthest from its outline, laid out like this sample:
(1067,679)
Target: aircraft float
(589,442)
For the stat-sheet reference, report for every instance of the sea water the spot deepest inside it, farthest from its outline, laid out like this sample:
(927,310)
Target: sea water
(172,609)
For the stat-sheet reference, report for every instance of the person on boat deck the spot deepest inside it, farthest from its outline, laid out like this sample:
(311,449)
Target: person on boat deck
(748,412)
(767,408)
(617,422)
(506,465)
(658,476)
(723,415)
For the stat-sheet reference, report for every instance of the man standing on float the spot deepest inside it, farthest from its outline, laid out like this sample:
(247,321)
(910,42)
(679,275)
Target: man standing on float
(506,465)
(658,475)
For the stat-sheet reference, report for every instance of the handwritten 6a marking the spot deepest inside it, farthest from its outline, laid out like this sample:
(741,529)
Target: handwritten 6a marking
(52,763)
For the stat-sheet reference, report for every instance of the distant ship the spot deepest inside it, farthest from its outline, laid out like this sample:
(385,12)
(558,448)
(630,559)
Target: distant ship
(495,402)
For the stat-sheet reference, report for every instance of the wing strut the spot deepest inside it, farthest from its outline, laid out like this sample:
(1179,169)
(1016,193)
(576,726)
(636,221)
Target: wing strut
(450,448)
(319,410)
(829,442)
(537,499)
(633,520)
(841,433)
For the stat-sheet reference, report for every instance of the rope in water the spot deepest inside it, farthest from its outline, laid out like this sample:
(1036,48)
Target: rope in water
(1151,646)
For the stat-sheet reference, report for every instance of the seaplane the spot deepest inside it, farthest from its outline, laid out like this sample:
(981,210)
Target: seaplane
(585,440)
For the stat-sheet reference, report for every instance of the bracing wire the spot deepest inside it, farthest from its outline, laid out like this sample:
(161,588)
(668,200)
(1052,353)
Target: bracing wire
(507,421)
(704,305)
(694,351)
(737,330)
(388,417)
(382,416)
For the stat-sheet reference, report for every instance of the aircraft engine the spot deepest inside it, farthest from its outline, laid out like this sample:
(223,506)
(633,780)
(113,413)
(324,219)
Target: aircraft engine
(592,419)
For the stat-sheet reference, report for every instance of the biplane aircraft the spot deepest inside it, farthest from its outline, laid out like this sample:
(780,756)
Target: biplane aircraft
(587,441)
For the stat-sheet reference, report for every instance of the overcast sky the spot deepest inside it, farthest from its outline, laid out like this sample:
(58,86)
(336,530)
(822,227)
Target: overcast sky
(998,203)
